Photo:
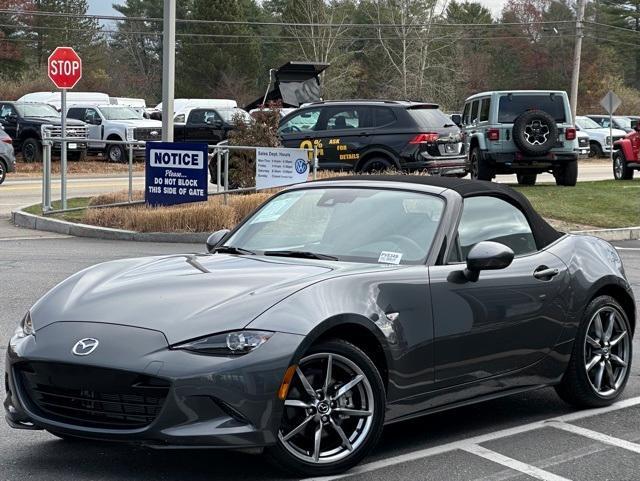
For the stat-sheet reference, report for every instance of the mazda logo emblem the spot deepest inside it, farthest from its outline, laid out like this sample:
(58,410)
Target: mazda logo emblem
(85,346)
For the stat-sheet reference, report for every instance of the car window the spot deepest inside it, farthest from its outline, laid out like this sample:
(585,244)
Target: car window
(383,116)
(6,110)
(465,113)
(76,113)
(485,106)
(511,106)
(344,118)
(304,121)
(474,111)
(203,116)
(91,116)
(486,218)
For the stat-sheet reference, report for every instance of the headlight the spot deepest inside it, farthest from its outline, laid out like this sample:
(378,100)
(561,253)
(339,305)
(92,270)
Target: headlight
(607,141)
(26,327)
(227,344)
(130,132)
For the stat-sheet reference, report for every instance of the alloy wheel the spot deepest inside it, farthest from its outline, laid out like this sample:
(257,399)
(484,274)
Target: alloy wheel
(606,351)
(536,133)
(115,154)
(329,411)
(617,167)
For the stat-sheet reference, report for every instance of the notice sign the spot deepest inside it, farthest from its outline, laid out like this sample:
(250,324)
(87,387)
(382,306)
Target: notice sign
(175,173)
(278,166)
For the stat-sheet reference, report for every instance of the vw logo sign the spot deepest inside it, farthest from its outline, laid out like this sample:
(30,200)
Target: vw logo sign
(301,166)
(85,346)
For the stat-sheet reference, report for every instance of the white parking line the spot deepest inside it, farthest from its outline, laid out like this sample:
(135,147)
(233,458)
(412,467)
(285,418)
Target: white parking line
(483,438)
(601,437)
(43,237)
(628,248)
(513,463)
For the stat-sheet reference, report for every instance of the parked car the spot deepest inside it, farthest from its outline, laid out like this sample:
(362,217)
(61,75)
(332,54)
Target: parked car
(626,155)
(619,122)
(522,132)
(599,137)
(335,308)
(583,148)
(207,124)
(7,156)
(376,135)
(54,99)
(117,123)
(634,120)
(23,122)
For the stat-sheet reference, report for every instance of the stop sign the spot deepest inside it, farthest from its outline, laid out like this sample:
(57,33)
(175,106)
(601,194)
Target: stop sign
(64,67)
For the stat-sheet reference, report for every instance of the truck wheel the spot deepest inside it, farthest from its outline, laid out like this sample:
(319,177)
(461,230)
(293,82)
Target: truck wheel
(620,169)
(116,153)
(595,151)
(31,150)
(527,179)
(3,171)
(479,168)
(568,174)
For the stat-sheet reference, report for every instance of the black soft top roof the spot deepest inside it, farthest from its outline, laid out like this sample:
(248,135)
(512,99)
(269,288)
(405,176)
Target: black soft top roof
(543,233)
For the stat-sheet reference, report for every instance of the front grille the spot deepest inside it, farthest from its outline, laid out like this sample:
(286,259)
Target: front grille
(79,132)
(91,396)
(146,133)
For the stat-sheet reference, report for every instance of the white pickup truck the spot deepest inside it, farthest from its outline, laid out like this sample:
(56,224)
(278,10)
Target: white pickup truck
(115,122)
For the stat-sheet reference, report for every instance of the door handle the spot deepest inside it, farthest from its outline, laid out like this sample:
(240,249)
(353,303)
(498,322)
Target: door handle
(545,273)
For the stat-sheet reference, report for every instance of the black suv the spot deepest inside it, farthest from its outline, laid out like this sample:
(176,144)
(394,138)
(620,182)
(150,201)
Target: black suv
(375,135)
(23,122)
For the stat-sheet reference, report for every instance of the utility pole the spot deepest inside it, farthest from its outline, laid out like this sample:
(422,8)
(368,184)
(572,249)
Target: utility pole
(168,68)
(577,52)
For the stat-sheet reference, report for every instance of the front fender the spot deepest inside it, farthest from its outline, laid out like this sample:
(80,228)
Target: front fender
(627,149)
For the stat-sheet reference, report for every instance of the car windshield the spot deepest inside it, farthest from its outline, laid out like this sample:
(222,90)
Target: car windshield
(399,227)
(119,113)
(623,122)
(37,110)
(512,105)
(586,123)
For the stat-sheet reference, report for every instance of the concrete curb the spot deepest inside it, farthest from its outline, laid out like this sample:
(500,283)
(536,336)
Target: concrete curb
(32,221)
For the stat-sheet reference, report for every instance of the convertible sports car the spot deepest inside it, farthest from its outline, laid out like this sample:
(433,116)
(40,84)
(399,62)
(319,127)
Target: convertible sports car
(337,307)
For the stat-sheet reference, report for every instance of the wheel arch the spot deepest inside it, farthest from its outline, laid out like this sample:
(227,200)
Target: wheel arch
(30,133)
(625,146)
(621,295)
(477,140)
(114,136)
(377,152)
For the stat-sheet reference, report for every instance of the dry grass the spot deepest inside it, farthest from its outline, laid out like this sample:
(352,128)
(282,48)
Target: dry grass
(85,167)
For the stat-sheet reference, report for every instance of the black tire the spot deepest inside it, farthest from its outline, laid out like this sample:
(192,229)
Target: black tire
(620,169)
(283,458)
(376,164)
(480,170)
(527,179)
(116,153)
(567,175)
(3,171)
(31,150)
(576,388)
(535,132)
(595,151)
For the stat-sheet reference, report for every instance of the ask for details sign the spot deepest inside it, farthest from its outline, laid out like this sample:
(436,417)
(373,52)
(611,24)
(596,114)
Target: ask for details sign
(278,166)
(175,173)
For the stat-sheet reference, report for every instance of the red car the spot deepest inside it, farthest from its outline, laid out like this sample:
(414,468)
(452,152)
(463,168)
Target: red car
(626,155)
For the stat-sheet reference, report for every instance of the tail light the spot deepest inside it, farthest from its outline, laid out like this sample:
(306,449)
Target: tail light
(493,134)
(425,138)
(7,140)
(570,133)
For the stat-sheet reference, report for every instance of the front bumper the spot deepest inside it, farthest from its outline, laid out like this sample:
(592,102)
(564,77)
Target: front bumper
(214,402)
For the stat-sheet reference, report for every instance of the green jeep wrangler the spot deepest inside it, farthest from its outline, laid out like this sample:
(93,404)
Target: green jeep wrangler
(522,132)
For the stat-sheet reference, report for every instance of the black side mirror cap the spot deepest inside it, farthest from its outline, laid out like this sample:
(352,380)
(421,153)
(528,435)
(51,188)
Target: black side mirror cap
(485,256)
(214,239)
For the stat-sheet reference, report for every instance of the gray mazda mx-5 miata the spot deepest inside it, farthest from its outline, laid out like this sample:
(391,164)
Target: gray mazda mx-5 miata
(336,307)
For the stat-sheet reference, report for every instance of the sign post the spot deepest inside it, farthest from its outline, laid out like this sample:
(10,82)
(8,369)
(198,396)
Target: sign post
(610,102)
(65,71)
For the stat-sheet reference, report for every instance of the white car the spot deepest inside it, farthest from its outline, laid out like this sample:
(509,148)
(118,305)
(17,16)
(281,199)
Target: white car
(115,122)
(599,137)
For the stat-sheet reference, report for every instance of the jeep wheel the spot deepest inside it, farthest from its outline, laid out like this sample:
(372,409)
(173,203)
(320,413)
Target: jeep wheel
(620,169)
(567,174)
(479,168)
(595,151)
(535,132)
(527,179)
(31,150)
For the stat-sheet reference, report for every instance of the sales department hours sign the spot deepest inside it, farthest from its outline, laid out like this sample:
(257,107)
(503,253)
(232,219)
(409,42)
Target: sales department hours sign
(175,173)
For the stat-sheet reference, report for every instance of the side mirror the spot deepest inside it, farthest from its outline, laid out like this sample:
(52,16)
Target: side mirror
(486,256)
(214,239)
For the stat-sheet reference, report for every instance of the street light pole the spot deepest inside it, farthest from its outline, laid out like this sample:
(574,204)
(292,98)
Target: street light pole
(168,68)
(577,52)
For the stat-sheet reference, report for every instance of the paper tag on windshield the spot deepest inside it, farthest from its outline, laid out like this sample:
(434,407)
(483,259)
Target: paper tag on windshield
(389,257)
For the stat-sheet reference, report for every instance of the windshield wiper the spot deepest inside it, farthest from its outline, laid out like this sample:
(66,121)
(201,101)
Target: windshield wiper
(232,250)
(302,254)
(448,125)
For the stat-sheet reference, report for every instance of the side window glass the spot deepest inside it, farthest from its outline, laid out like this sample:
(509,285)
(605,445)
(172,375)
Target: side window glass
(5,111)
(474,112)
(90,116)
(486,218)
(305,121)
(484,110)
(347,118)
(197,117)
(465,114)
(383,116)
(211,116)
(74,114)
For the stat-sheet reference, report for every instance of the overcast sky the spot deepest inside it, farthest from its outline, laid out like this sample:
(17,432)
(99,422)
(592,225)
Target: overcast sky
(104,7)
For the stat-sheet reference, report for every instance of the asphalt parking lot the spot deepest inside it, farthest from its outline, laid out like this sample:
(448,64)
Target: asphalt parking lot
(528,436)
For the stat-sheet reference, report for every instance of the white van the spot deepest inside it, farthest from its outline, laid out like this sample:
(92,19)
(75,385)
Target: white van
(53,98)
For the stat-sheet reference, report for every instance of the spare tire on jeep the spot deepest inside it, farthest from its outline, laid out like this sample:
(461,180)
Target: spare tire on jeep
(535,132)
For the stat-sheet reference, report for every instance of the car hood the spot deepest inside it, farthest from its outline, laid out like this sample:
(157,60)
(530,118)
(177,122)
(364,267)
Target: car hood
(53,121)
(183,296)
(144,123)
(604,132)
